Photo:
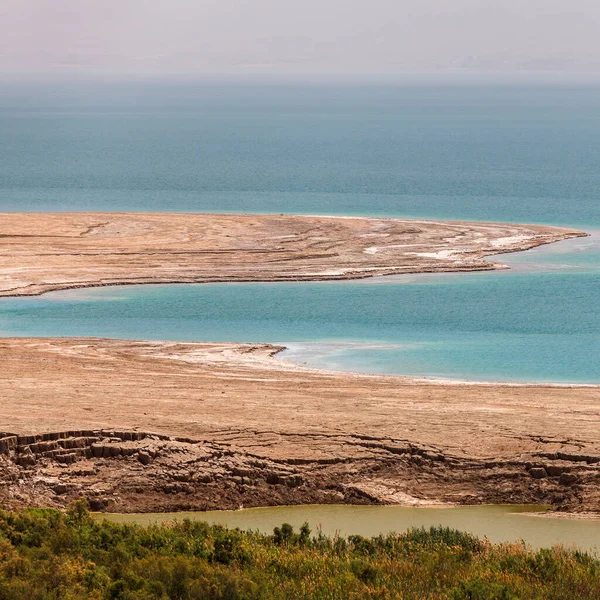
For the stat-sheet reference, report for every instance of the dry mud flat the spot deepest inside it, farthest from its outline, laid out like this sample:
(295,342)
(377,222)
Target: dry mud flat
(150,426)
(40,252)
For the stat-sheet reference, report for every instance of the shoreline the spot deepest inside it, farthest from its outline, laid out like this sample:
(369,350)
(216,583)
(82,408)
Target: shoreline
(542,512)
(81,250)
(165,426)
(168,426)
(432,379)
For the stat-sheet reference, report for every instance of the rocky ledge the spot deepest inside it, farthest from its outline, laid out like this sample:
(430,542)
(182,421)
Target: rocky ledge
(168,425)
(133,471)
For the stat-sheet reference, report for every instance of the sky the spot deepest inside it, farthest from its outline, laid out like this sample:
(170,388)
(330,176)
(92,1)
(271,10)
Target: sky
(190,37)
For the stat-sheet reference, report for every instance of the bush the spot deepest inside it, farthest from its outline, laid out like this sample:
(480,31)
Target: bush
(46,555)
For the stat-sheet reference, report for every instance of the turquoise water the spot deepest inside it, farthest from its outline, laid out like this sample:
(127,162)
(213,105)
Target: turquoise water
(498,153)
(519,325)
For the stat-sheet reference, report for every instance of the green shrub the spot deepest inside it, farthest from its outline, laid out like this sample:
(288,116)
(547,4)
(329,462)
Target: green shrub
(46,555)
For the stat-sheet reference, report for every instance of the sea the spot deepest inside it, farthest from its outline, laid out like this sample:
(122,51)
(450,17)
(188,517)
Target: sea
(524,153)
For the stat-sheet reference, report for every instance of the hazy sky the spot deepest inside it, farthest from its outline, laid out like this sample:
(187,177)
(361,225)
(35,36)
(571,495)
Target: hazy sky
(297,36)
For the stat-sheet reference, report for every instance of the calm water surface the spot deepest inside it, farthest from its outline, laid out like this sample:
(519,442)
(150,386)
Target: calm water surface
(498,153)
(538,322)
(488,152)
(497,523)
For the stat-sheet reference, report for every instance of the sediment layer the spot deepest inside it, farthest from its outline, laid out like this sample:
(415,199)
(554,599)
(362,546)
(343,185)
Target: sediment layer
(152,426)
(41,252)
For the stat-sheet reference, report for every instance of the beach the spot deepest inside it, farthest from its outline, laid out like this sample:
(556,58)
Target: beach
(165,426)
(42,252)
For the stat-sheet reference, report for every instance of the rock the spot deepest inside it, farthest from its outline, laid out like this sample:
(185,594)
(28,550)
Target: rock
(8,443)
(42,447)
(25,440)
(433,456)
(66,459)
(273,479)
(538,472)
(144,457)
(82,472)
(567,479)
(97,450)
(554,470)
(26,460)
(292,480)
(577,457)
(97,504)
(239,472)
(79,442)
(114,451)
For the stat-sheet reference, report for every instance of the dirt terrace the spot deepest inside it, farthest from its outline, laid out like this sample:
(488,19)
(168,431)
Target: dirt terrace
(41,252)
(146,426)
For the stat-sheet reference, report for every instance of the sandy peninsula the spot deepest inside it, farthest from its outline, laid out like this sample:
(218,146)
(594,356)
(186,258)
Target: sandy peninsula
(41,252)
(151,426)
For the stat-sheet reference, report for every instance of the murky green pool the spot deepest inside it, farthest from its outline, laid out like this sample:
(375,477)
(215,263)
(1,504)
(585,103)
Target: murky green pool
(498,523)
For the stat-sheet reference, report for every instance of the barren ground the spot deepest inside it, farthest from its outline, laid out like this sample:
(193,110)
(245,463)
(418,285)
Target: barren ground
(40,252)
(150,426)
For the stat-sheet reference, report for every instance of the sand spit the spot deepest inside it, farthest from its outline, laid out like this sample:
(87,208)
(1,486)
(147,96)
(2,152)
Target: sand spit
(153,426)
(40,252)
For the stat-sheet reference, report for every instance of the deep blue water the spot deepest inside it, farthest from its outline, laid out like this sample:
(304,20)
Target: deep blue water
(498,153)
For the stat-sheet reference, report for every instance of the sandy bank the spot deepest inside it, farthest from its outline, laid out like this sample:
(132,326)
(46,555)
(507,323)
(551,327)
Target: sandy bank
(148,426)
(40,252)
